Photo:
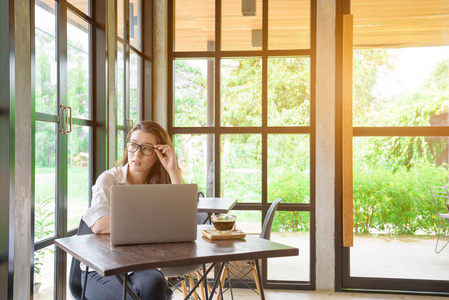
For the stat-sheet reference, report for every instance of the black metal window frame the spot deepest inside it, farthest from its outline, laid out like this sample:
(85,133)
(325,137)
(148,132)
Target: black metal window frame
(145,57)
(6,148)
(217,131)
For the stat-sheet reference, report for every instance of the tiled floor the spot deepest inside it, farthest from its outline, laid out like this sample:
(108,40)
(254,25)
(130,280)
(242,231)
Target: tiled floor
(306,295)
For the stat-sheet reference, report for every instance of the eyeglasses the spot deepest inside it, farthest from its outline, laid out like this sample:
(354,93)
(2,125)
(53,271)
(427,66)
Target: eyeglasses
(146,150)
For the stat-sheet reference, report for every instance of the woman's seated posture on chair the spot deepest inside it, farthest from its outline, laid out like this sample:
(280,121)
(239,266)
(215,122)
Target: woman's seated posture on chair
(148,159)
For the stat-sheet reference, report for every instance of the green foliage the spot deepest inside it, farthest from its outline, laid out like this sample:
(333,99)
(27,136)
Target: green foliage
(190,94)
(241,94)
(289,91)
(397,202)
(291,221)
(241,167)
(367,64)
(43,222)
(392,175)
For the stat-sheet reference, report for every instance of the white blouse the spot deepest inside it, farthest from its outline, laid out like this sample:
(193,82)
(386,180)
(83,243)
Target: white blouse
(100,206)
(101,197)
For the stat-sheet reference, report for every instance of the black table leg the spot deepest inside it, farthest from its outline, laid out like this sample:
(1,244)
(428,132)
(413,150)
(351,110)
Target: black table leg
(125,286)
(83,291)
(217,280)
(259,278)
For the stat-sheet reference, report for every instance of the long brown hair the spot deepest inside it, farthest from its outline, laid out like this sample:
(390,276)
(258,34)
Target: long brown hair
(158,174)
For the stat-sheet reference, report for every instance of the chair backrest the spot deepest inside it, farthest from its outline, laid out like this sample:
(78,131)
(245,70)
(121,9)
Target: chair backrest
(268,222)
(75,271)
(440,193)
(201,217)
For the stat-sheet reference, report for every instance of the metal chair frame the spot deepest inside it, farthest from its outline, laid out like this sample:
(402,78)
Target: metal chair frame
(439,194)
(253,265)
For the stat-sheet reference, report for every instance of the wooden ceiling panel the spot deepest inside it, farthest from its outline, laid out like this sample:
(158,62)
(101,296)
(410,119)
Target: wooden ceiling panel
(400,23)
(377,23)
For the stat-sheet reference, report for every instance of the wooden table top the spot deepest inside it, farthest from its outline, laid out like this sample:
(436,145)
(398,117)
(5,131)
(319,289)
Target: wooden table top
(216,205)
(97,252)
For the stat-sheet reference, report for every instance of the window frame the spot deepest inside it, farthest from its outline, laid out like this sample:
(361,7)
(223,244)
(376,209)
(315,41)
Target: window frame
(264,130)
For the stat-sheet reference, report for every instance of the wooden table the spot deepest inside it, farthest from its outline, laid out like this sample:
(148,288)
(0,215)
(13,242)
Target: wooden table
(98,254)
(215,206)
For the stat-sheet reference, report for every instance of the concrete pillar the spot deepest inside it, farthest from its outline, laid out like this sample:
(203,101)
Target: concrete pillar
(23,248)
(160,62)
(325,145)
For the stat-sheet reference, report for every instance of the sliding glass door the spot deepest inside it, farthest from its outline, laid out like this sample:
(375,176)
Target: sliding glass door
(400,137)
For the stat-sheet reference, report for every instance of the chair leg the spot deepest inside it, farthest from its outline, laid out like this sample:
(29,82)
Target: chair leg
(222,279)
(195,295)
(184,288)
(438,238)
(201,286)
(256,279)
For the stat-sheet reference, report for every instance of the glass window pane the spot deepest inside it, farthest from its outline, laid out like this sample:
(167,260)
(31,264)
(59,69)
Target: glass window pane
(120,143)
(291,228)
(393,208)
(78,77)
(135,24)
(194,93)
(135,87)
(248,221)
(289,168)
(194,25)
(391,87)
(289,91)
(241,167)
(241,92)
(401,69)
(46,68)
(120,18)
(82,5)
(288,24)
(241,27)
(44,272)
(120,90)
(196,160)
(45,180)
(78,179)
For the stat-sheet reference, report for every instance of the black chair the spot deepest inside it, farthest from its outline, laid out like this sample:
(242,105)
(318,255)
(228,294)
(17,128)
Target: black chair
(241,273)
(75,271)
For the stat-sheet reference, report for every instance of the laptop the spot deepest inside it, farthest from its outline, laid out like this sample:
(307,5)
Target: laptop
(153,213)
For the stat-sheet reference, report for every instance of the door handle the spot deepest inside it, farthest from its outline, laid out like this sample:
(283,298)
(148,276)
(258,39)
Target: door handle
(68,119)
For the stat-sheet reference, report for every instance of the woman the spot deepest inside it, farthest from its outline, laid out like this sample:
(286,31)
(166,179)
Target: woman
(149,159)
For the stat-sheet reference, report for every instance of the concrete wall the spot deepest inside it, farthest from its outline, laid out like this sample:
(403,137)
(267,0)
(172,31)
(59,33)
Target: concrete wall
(325,146)
(160,59)
(23,156)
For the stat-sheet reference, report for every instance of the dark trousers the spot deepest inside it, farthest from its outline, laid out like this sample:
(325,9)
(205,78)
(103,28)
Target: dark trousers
(148,284)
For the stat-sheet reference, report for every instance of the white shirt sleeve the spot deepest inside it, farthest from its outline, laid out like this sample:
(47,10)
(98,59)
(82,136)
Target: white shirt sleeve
(100,198)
